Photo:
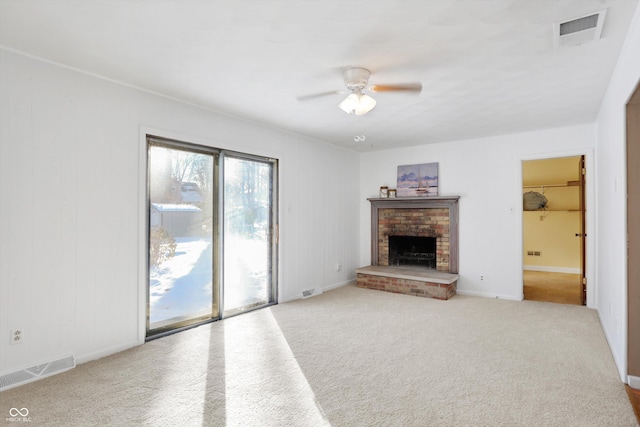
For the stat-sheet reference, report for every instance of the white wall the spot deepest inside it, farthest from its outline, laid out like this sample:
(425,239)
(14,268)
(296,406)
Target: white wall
(487,175)
(611,190)
(70,208)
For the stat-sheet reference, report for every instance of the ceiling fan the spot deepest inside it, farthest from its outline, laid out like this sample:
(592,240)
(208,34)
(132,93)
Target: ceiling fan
(356,79)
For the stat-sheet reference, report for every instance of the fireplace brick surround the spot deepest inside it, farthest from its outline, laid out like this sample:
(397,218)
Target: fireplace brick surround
(415,216)
(414,222)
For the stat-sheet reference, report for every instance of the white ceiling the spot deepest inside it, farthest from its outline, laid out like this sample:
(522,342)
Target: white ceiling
(487,67)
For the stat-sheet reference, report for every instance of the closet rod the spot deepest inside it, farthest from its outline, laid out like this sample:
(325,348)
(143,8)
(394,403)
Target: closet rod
(548,186)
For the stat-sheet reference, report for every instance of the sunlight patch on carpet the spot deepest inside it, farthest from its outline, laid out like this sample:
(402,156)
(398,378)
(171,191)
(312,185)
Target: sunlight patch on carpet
(264,383)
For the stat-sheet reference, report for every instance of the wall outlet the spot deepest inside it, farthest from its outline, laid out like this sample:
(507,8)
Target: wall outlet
(17,336)
(338,267)
(482,277)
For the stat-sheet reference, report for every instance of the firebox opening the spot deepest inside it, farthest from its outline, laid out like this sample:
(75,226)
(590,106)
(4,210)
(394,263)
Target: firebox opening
(411,250)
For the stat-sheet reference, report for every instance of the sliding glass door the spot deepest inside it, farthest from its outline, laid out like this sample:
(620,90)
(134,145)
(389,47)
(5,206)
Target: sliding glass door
(208,209)
(181,246)
(248,232)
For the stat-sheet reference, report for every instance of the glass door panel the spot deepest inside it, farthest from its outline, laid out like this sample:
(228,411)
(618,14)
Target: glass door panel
(181,247)
(248,233)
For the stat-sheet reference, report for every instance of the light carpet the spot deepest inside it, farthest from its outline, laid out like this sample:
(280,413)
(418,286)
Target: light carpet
(352,357)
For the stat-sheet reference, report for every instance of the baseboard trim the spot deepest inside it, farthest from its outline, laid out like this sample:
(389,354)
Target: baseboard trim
(633,382)
(105,352)
(324,289)
(488,295)
(620,365)
(550,269)
(337,285)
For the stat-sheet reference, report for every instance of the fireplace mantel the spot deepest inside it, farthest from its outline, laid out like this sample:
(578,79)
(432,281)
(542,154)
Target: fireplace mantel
(432,202)
(417,202)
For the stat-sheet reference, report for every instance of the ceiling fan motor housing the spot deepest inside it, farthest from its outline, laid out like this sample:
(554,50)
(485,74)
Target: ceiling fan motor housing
(356,78)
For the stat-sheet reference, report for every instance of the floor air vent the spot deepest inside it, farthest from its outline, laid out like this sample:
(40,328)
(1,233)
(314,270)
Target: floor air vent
(36,372)
(311,292)
(580,30)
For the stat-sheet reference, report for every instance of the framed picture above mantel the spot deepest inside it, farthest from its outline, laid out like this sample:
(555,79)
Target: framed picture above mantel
(420,180)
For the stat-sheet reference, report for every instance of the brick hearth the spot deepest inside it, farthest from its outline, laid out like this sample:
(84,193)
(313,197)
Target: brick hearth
(408,280)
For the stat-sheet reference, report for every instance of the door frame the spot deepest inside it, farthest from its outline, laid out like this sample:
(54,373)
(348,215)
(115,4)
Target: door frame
(632,151)
(590,244)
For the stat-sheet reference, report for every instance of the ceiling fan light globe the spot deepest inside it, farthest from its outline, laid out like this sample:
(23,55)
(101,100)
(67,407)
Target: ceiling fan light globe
(357,104)
(349,104)
(366,104)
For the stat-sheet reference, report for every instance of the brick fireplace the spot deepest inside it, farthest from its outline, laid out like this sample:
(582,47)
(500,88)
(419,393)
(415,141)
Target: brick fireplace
(427,263)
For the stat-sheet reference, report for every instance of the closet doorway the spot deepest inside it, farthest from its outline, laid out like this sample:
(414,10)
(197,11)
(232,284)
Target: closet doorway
(554,230)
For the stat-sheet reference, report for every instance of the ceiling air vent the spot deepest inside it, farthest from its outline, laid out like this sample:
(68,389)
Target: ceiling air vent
(580,30)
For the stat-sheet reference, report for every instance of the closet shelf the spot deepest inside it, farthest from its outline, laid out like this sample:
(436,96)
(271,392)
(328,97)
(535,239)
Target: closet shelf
(553,210)
(568,184)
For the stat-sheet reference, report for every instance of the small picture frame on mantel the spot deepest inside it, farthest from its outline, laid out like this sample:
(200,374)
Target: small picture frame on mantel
(420,180)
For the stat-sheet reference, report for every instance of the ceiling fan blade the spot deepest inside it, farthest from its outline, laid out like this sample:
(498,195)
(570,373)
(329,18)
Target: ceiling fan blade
(318,95)
(403,87)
